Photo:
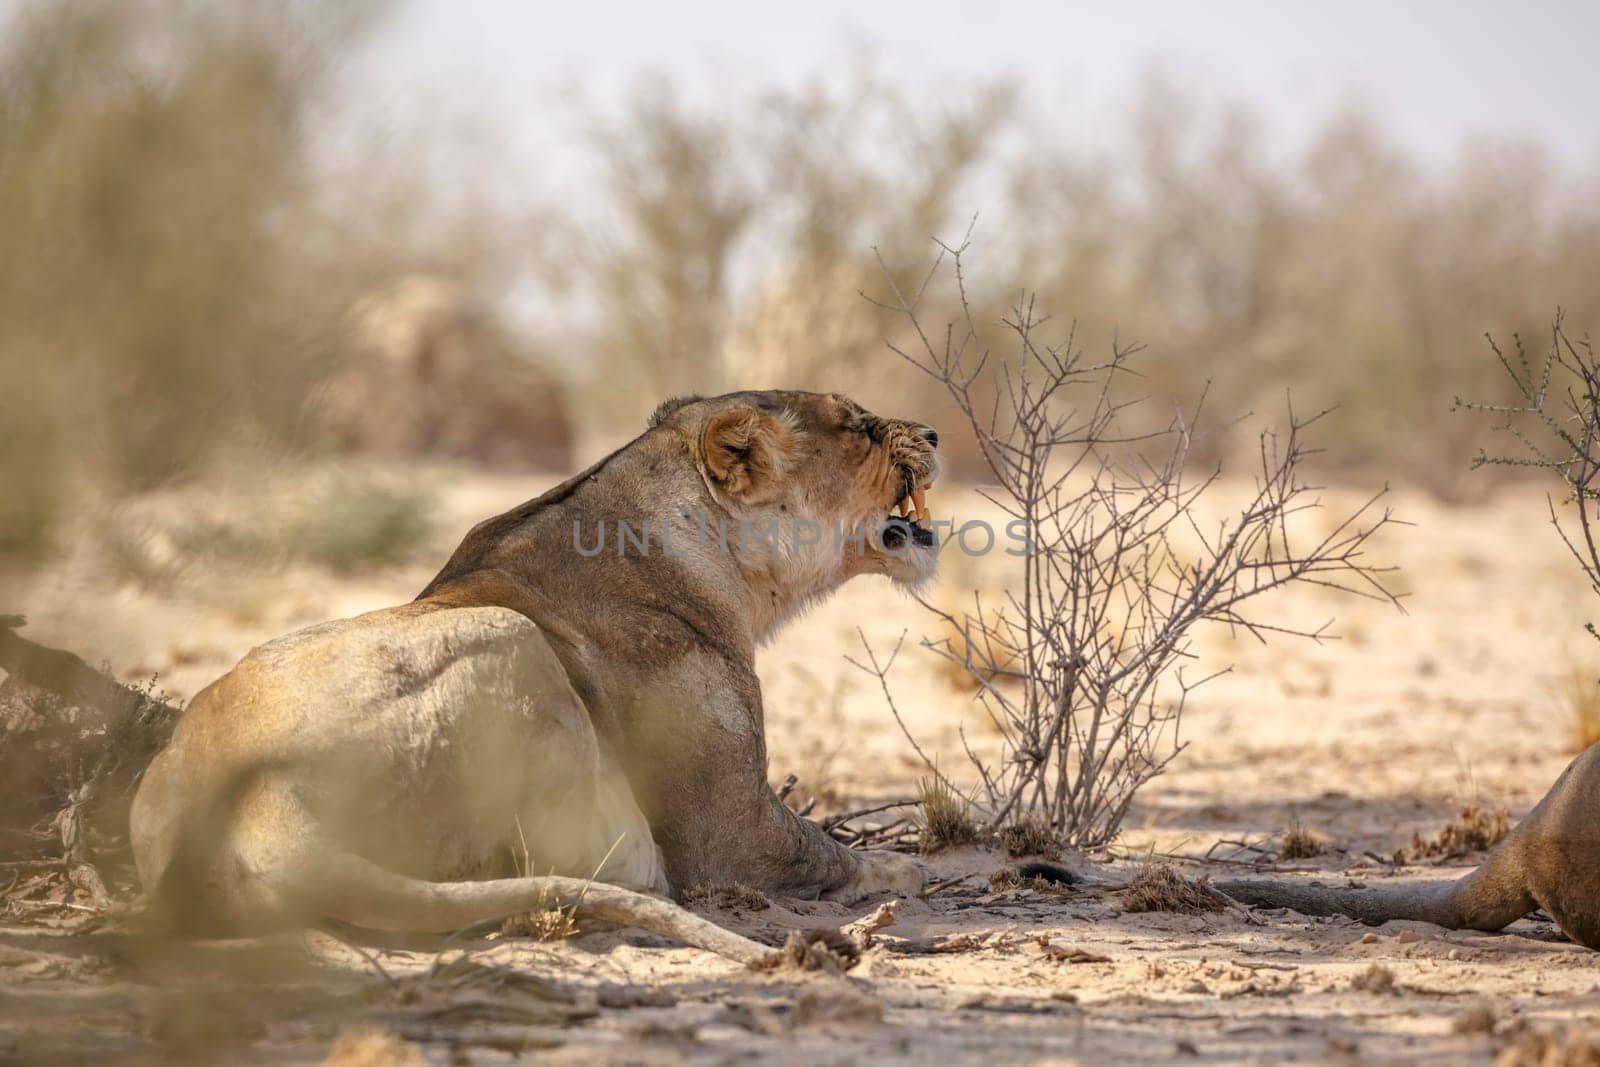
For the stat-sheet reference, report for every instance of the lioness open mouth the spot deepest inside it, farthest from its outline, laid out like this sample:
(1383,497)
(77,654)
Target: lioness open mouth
(912,519)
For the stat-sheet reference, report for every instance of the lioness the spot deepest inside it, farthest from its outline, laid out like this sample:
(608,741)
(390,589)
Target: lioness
(573,695)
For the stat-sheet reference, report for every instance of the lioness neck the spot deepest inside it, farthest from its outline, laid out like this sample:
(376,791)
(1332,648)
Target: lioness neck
(637,528)
(779,591)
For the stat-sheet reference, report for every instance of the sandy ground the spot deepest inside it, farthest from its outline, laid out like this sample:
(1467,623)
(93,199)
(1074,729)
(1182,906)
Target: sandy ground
(1365,740)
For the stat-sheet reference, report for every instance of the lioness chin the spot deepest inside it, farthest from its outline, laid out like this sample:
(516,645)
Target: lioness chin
(572,696)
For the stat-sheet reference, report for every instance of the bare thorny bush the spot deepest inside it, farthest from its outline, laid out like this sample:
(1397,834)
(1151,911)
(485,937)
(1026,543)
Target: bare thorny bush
(1087,664)
(1556,424)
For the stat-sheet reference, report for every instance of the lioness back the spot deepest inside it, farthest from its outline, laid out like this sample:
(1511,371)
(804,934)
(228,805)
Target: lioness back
(437,742)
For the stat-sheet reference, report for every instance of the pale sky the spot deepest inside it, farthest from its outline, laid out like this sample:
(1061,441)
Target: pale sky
(1434,70)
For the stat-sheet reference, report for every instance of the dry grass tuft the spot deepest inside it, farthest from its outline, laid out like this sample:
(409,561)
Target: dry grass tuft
(546,921)
(947,820)
(1479,1017)
(1004,879)
(1531,1047)
(372,1047)
(730,896)
(542,924)
(556,924)
(1581,693)
(1375,979)
(823,948)
(1157,887)
(1476,829)
(1300,843)
(1030,836)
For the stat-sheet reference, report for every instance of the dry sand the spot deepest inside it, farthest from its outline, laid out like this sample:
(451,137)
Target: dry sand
(1365,740)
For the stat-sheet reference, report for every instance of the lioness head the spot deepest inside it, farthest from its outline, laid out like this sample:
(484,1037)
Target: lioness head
(844,489)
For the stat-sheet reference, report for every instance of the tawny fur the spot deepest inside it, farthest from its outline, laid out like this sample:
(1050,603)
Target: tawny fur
(541,714)
(1550,861)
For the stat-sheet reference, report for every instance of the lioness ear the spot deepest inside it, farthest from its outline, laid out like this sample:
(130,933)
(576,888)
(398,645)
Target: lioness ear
(744,449)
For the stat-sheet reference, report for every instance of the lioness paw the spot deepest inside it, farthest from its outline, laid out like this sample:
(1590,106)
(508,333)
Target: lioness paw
(881,873)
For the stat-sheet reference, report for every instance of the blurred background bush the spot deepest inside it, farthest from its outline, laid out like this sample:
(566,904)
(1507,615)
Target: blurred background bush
(194,280)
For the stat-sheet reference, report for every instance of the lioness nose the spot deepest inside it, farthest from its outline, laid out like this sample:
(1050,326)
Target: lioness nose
(932,436)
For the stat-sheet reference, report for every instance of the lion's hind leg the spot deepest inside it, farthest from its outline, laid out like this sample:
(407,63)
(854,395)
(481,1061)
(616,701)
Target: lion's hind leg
(274,868)
(236,866)
(332,883)
(355,891)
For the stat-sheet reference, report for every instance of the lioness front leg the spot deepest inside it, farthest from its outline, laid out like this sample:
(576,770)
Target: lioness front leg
(881,872)
(700,768)
(870,873)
